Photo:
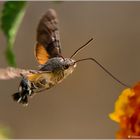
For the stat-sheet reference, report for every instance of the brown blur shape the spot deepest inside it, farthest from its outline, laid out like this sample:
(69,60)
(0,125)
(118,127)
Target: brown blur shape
(79,106)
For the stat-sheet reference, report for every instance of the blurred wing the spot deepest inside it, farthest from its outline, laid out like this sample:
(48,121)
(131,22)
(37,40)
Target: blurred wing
(10,72)
(48,41)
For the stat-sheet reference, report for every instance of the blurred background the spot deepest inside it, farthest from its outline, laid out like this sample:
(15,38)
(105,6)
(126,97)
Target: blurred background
(79,106)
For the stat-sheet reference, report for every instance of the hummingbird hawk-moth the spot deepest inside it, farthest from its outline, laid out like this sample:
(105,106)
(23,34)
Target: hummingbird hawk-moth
(54,67)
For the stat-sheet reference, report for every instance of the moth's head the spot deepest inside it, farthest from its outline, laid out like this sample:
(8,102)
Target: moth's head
(68,65)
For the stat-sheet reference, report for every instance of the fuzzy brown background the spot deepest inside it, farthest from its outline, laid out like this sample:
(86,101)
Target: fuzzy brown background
(78,107)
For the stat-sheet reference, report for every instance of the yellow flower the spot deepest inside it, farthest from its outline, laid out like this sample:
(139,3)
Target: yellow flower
(121,105)
(127,113)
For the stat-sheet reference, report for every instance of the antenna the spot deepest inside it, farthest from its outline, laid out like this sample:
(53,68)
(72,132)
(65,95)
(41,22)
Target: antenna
(104,70)
(78,50)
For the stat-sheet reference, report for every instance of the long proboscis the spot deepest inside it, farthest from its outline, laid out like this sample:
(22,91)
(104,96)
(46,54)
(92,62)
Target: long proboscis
(79,49)
(109,73)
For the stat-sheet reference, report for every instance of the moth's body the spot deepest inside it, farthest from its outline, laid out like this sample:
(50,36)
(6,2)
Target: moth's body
(53,72)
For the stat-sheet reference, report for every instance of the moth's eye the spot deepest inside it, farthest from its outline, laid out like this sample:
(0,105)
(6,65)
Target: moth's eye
(66,66)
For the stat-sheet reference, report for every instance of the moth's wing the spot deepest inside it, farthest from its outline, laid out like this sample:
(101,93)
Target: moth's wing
(10,73)
(48,39)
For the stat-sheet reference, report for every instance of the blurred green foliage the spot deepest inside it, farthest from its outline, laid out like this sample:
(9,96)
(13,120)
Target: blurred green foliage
(5,132)
(11,17)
